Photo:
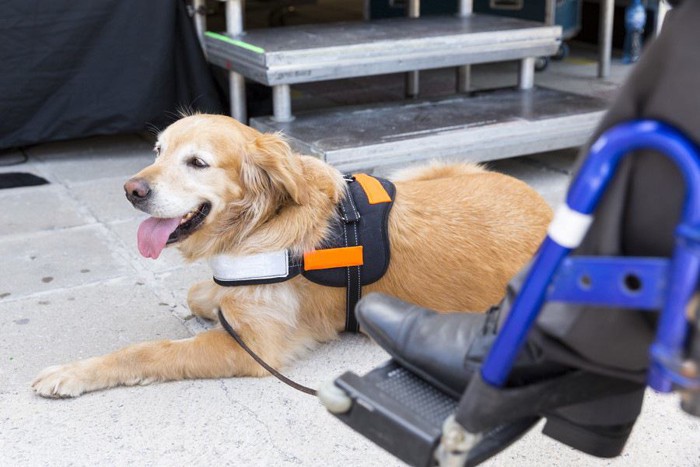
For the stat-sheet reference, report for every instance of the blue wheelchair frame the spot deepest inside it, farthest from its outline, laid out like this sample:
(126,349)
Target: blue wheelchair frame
(622,282)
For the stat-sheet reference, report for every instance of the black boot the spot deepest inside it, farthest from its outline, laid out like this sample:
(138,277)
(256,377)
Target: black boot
(430,344)
(443,348)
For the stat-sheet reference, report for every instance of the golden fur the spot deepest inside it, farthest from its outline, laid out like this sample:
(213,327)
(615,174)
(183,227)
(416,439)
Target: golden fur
(468,229)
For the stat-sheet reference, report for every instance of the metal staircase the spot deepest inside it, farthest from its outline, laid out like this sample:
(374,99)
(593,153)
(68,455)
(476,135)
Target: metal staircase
(474,126)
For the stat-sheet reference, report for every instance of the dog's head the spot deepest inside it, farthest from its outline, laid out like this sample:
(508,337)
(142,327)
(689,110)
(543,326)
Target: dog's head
(212,174)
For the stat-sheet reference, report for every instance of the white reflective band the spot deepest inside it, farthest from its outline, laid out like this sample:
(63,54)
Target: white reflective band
(569,227)
(260,266)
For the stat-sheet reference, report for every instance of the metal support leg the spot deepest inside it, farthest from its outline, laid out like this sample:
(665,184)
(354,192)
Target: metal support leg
(413,77)
(200,20)
(526,76)
(282,103)
(464,79)
(550,12)
(234,26)
(464,72)
(412,84)
(607,12)
(466,7)
(236,83)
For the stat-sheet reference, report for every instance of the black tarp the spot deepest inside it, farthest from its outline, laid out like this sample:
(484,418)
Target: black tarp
(71,69)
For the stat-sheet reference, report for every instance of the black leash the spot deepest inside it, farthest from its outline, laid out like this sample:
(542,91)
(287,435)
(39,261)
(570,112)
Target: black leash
(273,372)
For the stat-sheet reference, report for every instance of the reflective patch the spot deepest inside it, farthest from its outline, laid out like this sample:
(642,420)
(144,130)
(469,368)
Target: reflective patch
(243,268)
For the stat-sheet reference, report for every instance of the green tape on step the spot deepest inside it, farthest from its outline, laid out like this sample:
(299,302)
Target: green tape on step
(236,42)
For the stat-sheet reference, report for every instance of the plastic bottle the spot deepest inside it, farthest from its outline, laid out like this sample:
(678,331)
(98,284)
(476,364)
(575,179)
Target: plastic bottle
(635,19)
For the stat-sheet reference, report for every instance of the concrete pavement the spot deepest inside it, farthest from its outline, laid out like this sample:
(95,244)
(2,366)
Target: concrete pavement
(72,285)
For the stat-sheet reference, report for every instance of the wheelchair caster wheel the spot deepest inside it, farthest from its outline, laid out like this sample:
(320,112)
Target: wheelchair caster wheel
(541,63)
(333,398)
(562,52)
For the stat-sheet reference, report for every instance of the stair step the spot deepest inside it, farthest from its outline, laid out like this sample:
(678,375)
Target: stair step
(485,126)
(301,54)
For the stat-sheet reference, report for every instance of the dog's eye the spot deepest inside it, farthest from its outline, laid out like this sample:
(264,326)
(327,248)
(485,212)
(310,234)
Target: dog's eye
(197,163)
(156,149)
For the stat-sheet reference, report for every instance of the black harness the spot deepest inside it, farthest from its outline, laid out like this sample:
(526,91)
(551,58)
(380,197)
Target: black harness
(361,222)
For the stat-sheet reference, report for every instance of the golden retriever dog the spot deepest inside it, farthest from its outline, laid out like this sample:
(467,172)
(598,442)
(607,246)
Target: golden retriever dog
(458,233)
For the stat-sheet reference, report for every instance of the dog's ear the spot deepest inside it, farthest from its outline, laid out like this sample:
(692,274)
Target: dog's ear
(274,163)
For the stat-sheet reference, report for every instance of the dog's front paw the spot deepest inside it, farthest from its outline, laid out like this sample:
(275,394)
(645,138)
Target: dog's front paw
(68,380)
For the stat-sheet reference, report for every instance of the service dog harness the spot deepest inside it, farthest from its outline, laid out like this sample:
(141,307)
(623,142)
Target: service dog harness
(355,253)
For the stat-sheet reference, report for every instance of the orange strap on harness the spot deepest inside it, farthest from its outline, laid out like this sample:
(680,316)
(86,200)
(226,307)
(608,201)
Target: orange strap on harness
(333,258)
(373,189)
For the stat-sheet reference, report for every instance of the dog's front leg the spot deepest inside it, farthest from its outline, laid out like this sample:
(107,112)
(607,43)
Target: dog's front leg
(202,300)
(211,354)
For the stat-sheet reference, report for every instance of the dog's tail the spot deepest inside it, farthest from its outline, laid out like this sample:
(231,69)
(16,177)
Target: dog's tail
(435,170)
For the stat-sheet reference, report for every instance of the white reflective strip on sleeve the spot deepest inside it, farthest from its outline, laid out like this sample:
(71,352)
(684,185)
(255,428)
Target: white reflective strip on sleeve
(260,266)
(569,227)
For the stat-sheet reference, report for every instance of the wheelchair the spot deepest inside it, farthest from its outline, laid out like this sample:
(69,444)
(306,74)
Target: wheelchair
(416,421)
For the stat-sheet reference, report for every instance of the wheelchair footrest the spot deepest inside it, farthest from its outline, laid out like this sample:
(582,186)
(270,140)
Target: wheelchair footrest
(396,410)
(406,416)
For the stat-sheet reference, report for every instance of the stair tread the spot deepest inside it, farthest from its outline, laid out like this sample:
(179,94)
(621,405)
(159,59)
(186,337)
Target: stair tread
(307,53)
(485,126)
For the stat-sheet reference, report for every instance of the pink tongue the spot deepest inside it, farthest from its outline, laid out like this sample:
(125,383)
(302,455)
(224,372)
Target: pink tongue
(153,235)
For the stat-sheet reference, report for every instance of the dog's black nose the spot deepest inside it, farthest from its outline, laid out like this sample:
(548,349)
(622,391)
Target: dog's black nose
(137,189)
